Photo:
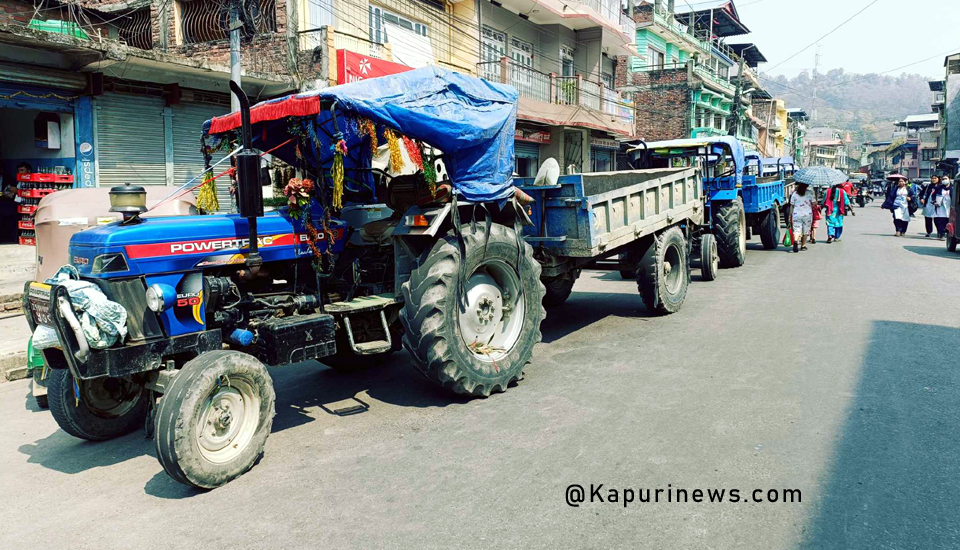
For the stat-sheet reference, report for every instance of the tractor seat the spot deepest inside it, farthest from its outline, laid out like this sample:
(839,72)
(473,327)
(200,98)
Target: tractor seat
(378,231)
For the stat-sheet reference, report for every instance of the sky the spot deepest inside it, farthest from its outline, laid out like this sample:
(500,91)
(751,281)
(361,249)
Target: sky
(887,35)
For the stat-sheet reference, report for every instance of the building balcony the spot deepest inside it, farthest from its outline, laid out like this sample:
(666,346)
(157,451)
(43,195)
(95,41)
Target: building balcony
(712,78)
(707,131)
(552,99)
(618,31)
(663,21)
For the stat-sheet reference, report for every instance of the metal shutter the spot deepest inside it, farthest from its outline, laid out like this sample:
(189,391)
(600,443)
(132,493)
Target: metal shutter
(526,149)
(188,119)
(130,140)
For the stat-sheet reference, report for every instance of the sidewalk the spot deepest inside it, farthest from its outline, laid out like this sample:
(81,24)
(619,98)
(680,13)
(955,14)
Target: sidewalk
(17,265)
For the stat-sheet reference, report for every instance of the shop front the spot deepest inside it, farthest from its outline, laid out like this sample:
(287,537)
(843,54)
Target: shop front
(46,144)
(526,148)
(603,153)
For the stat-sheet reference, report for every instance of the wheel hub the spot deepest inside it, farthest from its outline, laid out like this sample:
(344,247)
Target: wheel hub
(227,422)
(491,319)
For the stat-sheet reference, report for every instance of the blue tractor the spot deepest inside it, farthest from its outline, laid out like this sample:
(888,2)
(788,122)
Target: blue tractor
(209,301)
(739,199)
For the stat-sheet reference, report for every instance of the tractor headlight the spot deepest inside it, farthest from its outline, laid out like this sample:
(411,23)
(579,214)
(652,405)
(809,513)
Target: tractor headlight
(157,297)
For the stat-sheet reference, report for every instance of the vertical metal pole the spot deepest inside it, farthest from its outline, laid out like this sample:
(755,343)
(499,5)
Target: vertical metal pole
(235,50)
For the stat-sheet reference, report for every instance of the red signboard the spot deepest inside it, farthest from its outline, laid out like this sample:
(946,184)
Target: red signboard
(352,67)
(536,136)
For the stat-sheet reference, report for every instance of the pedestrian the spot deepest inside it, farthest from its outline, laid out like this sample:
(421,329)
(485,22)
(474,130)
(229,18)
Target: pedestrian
(801,215)
(927,204)
(835,207)
(940,197)
(815,222)
(898,200)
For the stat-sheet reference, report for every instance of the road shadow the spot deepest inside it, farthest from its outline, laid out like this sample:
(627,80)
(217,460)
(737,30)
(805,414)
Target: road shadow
(583,309)
(895,477)
(69,455)
(936,251)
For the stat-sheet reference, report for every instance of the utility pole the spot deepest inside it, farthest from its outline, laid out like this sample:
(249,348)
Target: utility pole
(235,26)
(735,126)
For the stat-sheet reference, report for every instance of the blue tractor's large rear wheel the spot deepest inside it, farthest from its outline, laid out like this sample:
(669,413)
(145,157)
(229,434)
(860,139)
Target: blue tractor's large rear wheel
(730,228)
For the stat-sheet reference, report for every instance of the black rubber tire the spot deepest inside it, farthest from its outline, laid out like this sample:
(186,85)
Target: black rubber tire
(627,274)
(430,314)
(951,243)
(730,225)
(41,400)
(770,229)
(709,258)
(80,421)
(558,289)
(653,286)
(181,406)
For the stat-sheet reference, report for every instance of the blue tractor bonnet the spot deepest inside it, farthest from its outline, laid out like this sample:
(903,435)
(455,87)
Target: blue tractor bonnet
(471,120)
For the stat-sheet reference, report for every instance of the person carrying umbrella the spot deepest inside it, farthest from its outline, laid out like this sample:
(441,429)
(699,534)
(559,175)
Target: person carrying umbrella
(801,215)
(899,198)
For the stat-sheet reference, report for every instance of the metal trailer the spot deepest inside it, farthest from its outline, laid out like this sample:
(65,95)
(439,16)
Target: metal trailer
(763,197)
(649,219)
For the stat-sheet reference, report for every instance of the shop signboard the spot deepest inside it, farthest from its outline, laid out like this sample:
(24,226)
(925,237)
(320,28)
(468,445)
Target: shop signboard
(535,136)
(353,67)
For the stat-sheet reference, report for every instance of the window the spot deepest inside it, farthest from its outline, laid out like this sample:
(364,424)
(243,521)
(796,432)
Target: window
(655,59)
(521,52)
(202,21)
(492,48)
(566,61)
(929,154)
(134,28)
(607,79)
(380,18)
(718,122)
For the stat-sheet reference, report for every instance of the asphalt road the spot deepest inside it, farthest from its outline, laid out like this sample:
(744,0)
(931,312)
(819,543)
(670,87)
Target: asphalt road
(834,371)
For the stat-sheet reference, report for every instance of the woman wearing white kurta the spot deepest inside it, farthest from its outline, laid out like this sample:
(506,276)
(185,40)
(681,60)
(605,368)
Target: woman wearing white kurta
(941,202)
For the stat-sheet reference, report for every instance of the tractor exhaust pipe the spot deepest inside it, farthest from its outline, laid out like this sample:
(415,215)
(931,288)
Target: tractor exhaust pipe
(249,192)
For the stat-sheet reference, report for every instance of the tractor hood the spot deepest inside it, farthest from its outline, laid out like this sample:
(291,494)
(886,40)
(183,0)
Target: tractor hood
(187,243)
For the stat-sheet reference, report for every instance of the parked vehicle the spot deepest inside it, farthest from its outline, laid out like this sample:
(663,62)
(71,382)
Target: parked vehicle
(211,300)
(738,199)
(649,219)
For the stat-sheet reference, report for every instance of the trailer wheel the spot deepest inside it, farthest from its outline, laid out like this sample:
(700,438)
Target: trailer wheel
(214,420)
(106,407)
(770,229)
(626,258)
(730,222)
(558,289)
(662,277)
(481,348)
(709,259)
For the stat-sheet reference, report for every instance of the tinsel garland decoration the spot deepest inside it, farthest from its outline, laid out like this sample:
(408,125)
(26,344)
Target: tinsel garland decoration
(413,150)
(430,175)
(367,128)
(336,173)
(207,195)
(396,157)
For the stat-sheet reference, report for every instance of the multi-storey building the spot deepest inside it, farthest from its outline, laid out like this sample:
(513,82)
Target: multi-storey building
(914,145)
(795,135)
(690,82)
(825,147)
(949,114)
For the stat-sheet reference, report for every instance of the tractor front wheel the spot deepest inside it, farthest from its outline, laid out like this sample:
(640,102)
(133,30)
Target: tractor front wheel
(214,420)
(97,409)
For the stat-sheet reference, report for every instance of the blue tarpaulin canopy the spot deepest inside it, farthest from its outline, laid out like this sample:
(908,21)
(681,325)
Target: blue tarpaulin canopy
(471,120)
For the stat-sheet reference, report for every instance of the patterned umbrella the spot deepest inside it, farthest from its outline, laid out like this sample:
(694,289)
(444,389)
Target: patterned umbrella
(819,176)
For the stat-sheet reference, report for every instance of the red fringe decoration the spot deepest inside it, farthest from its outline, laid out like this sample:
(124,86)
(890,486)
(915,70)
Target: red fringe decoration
(290,106)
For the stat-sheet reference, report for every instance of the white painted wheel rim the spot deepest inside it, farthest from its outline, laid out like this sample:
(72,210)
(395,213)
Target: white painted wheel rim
(492,321)
(743,232)
(228,420)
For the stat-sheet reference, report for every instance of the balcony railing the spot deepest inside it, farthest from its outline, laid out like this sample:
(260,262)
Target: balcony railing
(707,73)
(560,90)
(662,18)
